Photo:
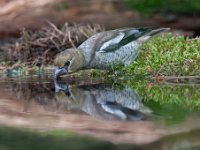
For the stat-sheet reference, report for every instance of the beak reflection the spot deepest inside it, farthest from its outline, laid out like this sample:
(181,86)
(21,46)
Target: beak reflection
(60,71)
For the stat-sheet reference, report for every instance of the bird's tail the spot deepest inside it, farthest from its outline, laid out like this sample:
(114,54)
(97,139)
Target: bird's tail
(157,31)
(151,33)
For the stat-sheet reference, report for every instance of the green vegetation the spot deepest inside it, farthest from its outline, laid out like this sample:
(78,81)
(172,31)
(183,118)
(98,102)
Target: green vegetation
(18,139)
(167,55)
(22,69)
(170,103)
(186,96)
(168,6)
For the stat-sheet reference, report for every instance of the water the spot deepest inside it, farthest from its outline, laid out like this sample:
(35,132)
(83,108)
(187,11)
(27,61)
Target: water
(38,113)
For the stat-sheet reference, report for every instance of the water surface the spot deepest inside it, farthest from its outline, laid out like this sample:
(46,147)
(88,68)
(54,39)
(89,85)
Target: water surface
(142,116)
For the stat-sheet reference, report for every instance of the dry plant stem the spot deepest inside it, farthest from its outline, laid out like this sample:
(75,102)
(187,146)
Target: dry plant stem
(40,47)
(180,80)
(55,28)
(177,77)
(181,84)
(197,38)
(181,77)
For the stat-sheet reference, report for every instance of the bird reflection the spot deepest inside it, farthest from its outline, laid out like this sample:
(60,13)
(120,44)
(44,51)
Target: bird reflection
(102,101)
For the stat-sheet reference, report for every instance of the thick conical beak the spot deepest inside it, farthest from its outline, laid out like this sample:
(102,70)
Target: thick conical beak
(60,71)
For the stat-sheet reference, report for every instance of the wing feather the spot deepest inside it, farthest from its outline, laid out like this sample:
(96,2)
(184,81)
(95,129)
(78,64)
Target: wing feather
(121,37)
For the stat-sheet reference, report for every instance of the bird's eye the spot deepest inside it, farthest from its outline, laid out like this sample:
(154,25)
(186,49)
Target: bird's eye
(67,63)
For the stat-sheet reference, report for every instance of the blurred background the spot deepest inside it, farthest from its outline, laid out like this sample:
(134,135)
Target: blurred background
(183,16)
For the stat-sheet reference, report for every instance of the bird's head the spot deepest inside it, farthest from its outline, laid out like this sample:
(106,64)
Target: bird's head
(68,61)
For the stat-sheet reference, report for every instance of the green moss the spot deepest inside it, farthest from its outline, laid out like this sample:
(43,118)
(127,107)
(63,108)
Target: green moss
(168,6)
(22,69)
(167,55)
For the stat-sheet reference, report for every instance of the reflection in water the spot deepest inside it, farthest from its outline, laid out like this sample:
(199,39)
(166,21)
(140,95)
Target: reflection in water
(33,103)
(13,139)
(97,110)
(40,141)
(102,101)
(181,141)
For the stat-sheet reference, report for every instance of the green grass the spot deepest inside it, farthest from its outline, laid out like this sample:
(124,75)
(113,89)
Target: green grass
(150,7)
(167,55)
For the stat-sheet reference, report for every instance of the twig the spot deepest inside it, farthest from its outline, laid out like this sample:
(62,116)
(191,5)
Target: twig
(38,44)
(70,40)
(56,45)
(55,28)
(181,77)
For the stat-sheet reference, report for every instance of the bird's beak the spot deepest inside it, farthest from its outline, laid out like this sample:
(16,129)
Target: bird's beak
(60,71)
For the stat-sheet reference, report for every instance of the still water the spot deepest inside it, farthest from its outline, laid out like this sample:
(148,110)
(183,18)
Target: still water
(39,113)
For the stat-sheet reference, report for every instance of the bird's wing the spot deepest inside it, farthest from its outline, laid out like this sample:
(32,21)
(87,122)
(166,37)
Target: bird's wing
(118,38)
(115,39)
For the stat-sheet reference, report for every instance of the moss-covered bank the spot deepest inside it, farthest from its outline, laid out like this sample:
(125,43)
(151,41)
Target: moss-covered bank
(167,55)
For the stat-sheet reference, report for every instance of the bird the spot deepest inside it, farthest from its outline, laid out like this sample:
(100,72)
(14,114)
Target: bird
(104,50)
(102,101)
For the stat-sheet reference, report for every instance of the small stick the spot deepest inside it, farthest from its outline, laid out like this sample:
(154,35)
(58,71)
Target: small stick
(55,28)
